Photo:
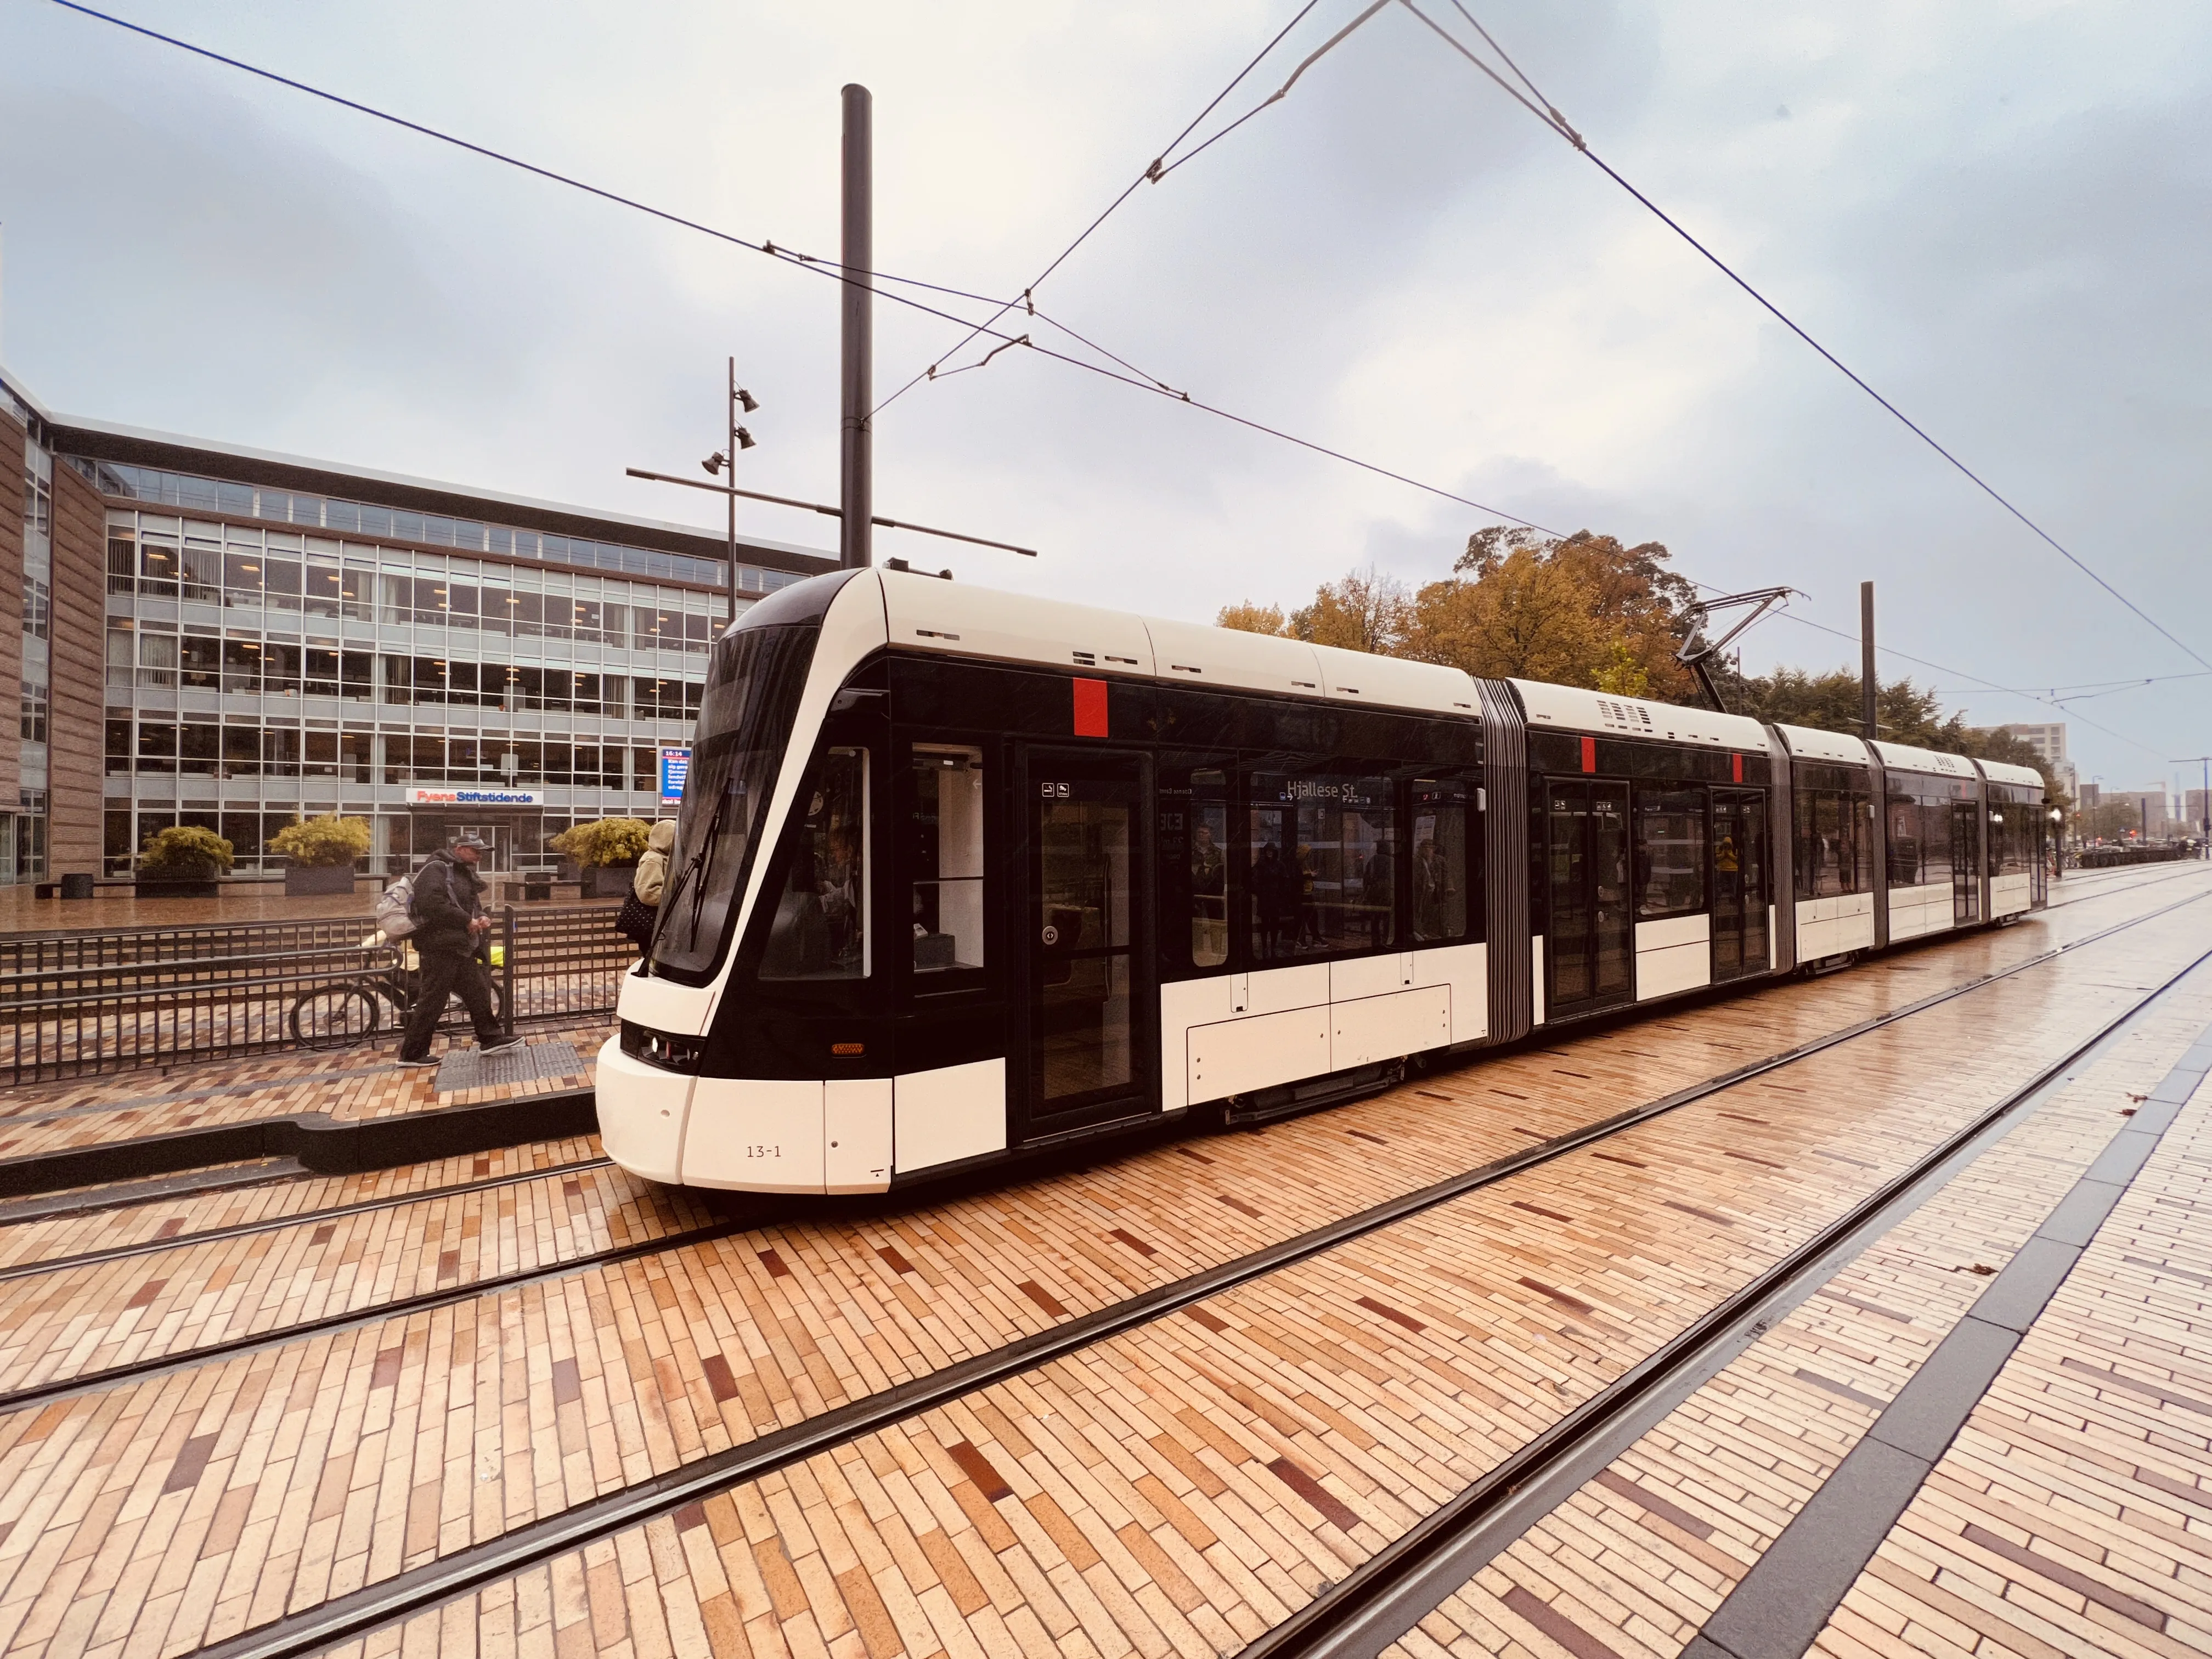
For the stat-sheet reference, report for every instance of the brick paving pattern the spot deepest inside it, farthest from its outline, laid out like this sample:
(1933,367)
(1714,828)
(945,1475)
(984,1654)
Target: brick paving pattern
(1179,1488)
(1637,1559)
(1267,1441)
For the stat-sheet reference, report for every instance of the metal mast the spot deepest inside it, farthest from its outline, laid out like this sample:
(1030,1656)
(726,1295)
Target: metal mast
(856,494)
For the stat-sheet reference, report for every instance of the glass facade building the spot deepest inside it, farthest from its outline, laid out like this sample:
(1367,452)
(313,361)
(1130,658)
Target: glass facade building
(265,639)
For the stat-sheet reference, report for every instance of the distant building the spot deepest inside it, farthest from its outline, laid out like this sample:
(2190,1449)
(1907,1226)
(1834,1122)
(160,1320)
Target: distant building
(2048,740)
(212,637)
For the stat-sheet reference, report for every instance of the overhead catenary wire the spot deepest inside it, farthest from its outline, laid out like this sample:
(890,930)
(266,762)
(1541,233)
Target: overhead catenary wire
(815,263)
(1151,173)
(1135,377)
(1550,116)
(1907,656)
(1157,173)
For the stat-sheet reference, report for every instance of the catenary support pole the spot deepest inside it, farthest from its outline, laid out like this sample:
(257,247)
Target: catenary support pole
(856,493)
(1869,686)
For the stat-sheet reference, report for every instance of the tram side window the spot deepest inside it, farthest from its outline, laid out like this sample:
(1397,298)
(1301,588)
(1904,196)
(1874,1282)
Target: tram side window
(1857,821)
(1934,838)
(820,928)
(1832,855)
(2012,836)
(1193,866)
(944,840)
(1907,860)
(1818,860)
(1323,858)
(1442,874)
(1670,852)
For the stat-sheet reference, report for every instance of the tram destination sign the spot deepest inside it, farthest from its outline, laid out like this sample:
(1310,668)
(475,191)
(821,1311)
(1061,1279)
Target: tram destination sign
(476,798)
(675,768)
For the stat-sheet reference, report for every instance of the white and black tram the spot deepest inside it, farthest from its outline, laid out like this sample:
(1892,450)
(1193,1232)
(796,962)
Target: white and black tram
(961,875)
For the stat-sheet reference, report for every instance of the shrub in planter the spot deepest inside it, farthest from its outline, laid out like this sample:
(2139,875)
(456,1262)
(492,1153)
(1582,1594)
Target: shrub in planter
(605,850)
(320,851)
(182,862)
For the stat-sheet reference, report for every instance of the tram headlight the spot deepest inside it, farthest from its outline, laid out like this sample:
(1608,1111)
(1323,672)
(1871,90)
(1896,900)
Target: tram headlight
(665,1049)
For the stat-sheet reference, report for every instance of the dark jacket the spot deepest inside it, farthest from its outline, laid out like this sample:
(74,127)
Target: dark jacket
(448,895)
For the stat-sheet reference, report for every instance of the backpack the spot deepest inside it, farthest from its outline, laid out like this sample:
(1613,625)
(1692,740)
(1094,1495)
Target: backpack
(395,909)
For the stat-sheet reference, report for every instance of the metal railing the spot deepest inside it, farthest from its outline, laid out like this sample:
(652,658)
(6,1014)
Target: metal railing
(157,996)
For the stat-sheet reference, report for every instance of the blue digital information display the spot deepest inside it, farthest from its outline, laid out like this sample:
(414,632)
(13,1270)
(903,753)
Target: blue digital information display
(675,767)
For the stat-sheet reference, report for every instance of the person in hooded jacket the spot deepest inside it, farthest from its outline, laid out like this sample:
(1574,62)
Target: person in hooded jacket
(635,920)
(450,940)
(652,878)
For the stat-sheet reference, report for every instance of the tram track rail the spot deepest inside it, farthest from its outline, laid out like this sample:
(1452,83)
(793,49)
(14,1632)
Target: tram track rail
(2160,879)
(435,1582)
(1382,1598)
(1104,1321)
(1121,1315)
(296,1219)
(338,1211)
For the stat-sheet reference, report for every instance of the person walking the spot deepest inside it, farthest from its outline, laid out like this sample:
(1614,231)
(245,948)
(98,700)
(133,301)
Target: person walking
(634,920)
(449,940)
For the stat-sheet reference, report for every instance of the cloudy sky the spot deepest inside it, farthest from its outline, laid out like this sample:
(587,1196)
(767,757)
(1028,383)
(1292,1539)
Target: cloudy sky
(1996,213)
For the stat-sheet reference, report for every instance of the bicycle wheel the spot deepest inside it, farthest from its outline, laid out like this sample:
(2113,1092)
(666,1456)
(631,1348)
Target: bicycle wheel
(334,1017)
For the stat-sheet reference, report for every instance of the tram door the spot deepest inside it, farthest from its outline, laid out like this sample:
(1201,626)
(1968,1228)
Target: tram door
(1965,862)
(1738,882)
(1591,939)
(1087,968)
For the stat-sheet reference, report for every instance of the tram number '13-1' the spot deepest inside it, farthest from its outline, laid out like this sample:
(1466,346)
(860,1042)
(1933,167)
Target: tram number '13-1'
(1052,791)
(764,1152)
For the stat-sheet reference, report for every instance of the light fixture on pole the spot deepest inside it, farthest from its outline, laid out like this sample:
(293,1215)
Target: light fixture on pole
(740,400)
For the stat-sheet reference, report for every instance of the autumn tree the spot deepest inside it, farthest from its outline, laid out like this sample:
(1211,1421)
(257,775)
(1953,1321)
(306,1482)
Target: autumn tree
(1579,610)
(1250,618)
(1364,612)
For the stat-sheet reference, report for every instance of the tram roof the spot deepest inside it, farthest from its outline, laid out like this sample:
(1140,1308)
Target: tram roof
(1572,709)
(1810,743)
(1904,758)
(927,613)
(2006,772)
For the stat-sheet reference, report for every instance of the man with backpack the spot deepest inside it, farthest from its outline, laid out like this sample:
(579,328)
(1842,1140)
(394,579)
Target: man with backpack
(448,932)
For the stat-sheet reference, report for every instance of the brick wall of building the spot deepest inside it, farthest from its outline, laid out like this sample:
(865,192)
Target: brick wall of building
(80,627)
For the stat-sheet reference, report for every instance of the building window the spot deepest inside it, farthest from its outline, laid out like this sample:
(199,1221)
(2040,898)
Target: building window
(31,835)
(34,712)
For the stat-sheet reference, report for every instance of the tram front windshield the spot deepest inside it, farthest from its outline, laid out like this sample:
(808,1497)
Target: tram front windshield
(753,689)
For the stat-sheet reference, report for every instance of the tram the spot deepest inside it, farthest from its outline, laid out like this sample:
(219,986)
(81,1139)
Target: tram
(960,876)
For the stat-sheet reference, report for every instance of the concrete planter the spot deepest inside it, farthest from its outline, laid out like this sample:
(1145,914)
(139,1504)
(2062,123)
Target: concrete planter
(317,880)
(609,880)
(160,887)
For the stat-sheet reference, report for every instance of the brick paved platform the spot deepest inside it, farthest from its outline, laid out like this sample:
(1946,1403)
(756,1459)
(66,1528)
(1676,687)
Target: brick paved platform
(412,1364)
(349,1084)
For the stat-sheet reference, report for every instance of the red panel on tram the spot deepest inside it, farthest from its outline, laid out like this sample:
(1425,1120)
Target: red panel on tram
(1090,708)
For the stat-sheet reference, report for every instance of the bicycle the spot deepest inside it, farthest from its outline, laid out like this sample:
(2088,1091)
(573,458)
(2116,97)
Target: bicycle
(348,1012)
